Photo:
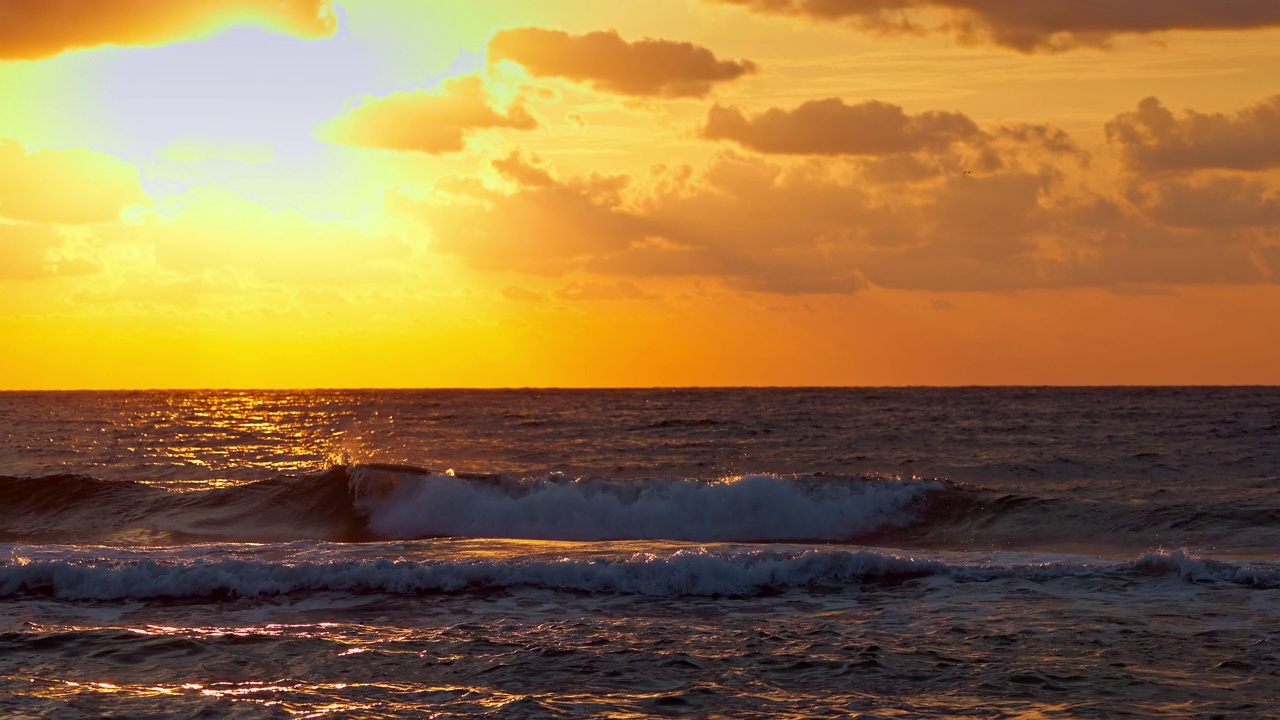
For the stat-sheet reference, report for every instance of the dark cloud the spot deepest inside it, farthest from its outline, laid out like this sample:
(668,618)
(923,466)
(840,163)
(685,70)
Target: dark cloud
(1031,25)
(429,122)
(1152,138)
(524,171)
(1214,202)
(604,60)
(32,29)
(831,127)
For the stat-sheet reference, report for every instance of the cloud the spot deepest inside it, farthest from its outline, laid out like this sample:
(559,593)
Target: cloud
(33,29)
(812,227)
(1030,25)
(536,229)
(1205,190)
(34,251)
(831,127)
(735,221)
(528,172)
(1153,139)
(65,186)
(649,67)
(1214,202)
(892,147)
(1027,214)
(429,122)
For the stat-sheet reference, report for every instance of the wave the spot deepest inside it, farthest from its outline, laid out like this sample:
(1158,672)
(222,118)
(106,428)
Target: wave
(758,508)
(373,502)
(389,502)
(683,573)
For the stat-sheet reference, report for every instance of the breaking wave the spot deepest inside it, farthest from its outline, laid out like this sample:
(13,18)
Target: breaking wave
(758,508)
(387,502)
(375,502)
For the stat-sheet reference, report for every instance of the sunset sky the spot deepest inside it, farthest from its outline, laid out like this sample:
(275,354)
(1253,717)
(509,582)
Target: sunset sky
(421,193)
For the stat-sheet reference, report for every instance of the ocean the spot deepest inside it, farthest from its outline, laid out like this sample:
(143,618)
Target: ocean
(735,553)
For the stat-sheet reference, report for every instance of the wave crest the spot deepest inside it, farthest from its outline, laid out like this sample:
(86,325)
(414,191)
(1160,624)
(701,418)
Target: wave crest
(399,502)
(756,508)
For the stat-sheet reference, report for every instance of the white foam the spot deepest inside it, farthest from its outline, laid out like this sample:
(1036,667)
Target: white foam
(757,508)
(1206,570)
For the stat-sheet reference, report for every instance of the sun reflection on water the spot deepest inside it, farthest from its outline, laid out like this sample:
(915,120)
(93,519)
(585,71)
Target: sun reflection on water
(201,440)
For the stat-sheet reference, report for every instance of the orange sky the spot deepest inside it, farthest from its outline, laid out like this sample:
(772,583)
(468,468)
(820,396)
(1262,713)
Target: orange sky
(395,193)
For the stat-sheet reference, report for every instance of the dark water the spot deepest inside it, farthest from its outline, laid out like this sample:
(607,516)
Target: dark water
(1021,552)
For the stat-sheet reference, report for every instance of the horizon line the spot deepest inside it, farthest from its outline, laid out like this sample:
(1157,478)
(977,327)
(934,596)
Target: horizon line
(623,388)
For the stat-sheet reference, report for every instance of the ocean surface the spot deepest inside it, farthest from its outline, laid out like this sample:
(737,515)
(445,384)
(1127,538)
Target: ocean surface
(737,553)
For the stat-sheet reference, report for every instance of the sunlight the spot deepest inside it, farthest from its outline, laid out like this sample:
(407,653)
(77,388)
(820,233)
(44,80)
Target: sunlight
(239,108)
(244,86)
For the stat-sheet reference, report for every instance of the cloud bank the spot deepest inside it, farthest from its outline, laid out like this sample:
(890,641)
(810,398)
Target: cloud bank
(834,198)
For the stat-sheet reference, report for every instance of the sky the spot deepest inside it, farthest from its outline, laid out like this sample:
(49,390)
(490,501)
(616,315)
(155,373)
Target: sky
(574,193)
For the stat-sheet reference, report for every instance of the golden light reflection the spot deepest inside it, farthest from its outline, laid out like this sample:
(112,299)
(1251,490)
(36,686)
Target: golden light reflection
(295,696)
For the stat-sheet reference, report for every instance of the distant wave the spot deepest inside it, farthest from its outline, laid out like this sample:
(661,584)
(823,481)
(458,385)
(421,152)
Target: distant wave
(683,573)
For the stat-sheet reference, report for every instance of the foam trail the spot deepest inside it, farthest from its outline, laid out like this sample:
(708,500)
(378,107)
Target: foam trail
(758,508)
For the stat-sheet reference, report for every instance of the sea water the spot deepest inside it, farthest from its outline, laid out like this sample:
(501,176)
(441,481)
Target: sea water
(992,553)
